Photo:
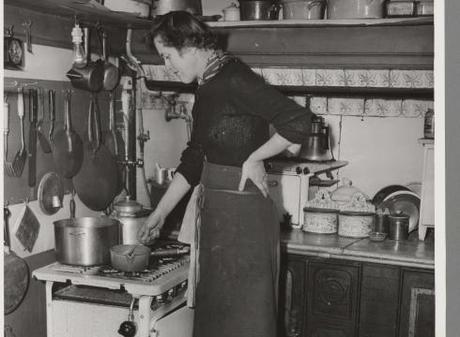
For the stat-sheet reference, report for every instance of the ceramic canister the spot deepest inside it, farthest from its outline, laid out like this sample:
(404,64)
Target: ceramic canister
(318,220)
(355,224)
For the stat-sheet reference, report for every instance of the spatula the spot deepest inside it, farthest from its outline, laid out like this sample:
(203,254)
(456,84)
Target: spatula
(19,160)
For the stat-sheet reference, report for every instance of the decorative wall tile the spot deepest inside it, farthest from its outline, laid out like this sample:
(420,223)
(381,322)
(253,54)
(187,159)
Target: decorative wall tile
(319,105)
(283,76)
(346,106)
(309,77)
(169,75)
(411,78)
(328,77)
(383,107)
(365,78)
(154,72)
(415,108)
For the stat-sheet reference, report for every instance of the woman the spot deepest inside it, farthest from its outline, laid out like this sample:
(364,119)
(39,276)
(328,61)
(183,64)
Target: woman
(238,237)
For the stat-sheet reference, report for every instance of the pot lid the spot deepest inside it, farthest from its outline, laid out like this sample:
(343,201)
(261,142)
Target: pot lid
(128,206)
(346,191)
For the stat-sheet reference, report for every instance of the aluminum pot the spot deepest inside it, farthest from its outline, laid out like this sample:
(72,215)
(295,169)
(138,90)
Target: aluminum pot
(161,7)
(85,241)
(355,9)
(303,9)
(258,10)
(132,216)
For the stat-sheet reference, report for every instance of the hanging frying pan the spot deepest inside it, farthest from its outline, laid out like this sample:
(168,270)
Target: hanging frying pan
(97,181)
(16,272)
(67,145)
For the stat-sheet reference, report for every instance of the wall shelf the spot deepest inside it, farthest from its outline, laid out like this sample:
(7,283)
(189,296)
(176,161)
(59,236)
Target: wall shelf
(368,92)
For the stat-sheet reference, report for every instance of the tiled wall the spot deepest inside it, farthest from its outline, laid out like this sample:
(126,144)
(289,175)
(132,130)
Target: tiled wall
(379,137)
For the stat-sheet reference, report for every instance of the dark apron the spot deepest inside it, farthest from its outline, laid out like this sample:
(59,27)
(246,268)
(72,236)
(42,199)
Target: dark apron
(236,293)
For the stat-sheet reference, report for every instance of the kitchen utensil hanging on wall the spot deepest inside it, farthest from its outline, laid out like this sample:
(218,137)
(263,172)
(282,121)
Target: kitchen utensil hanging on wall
(91,76)
(33,107)
(52,112)
(16,272)
(44,144)
(67,145)
(7,165)
(27,228)
(50,193)
(19,160)
(97,181)
(111,72)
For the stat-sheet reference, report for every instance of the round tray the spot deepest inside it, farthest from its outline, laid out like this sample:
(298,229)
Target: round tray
(405,201)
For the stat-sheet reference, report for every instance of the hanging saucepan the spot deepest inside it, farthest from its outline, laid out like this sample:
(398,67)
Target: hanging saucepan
(90,77)
(111,73)
(97,181)
(132,258)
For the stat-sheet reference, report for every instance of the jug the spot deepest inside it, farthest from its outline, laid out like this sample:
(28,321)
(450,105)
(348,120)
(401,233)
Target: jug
(317,147)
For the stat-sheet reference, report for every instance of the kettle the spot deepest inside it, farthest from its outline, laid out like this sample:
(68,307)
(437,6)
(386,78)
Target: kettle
(317,147)
(132,216)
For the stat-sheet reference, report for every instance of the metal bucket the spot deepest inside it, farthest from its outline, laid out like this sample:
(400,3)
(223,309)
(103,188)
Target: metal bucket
(85,241)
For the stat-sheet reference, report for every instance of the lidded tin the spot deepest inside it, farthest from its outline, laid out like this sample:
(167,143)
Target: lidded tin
(398,226)
(320,214)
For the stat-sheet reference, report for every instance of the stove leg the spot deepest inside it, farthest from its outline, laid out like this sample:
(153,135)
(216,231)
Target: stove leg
(144,316)
(49,309)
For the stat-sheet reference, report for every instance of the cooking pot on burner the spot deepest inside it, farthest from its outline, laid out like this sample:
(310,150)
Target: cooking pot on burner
(135,258)
(85,241)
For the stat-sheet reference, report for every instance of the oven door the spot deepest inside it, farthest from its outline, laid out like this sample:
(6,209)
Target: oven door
(290,194)
(77,318)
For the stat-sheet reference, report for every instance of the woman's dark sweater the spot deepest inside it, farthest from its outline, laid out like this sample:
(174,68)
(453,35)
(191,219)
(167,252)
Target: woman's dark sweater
(231,118)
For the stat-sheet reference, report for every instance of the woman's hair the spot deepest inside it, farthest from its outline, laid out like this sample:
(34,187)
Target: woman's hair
(179,29)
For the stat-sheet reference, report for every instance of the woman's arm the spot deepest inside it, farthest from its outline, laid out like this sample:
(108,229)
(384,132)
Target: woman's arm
(253,168)
(175,192)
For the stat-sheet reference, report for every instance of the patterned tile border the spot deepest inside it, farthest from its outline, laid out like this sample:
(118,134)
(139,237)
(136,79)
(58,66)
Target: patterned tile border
(340,77)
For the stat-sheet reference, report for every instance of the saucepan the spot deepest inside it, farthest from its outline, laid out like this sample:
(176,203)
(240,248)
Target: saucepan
(135,258)
(91,76)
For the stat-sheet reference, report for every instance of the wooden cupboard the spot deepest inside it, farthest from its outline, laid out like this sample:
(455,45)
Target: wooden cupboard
(322,297)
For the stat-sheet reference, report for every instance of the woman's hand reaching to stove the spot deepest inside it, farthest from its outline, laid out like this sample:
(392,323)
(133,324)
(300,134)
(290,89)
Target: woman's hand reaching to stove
(150,230)
(254,170)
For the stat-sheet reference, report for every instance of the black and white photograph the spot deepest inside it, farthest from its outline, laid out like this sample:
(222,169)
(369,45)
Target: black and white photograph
(230,168)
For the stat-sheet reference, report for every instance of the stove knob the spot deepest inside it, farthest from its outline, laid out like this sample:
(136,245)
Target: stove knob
(127,329)
(298,170)
(306,170)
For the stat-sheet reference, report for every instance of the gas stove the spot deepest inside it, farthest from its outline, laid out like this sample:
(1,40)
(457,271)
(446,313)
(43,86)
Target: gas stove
(102,298)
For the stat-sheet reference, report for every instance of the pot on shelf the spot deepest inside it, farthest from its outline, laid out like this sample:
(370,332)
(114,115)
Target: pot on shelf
(303,9)
(131,215)
(258,10)
(355,9)
(85,241)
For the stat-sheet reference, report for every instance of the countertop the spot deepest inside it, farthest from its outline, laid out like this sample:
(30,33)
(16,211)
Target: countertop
(411,253)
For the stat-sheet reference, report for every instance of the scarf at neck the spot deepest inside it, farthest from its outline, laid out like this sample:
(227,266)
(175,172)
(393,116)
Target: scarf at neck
(214,64)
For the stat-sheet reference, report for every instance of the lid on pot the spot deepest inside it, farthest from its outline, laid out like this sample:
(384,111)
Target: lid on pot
(128,207)
(345,192)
